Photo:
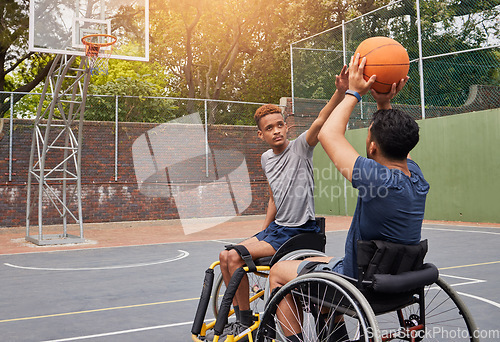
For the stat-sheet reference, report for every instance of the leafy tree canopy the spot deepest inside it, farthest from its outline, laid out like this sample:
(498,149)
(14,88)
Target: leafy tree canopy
(237,49)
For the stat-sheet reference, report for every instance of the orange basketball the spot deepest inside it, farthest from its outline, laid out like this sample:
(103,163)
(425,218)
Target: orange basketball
(385,58)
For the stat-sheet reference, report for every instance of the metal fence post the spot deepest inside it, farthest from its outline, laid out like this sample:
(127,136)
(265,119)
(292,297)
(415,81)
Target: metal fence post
(116,138)
(291,75)
(11,131)
(344,49)
(420,61)
(206,137)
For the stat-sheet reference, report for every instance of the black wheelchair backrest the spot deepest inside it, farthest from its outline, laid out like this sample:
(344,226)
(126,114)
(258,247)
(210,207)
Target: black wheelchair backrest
(394,268)
(321,222)
(383,257)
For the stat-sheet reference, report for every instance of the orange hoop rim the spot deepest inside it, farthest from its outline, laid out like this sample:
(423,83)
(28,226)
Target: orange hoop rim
(85,42)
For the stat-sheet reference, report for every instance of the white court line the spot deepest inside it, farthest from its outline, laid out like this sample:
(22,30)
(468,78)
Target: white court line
(120,332)
(183,255)
(461,230)
(471,280)
(480,298)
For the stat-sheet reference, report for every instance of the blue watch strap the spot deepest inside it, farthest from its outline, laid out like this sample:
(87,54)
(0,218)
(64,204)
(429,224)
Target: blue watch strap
(353,93)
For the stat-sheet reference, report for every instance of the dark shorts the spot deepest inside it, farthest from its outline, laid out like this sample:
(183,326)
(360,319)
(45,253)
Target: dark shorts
(276,235)
(334,265)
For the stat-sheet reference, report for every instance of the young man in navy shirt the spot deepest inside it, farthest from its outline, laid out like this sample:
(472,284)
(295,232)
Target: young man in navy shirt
(392,188)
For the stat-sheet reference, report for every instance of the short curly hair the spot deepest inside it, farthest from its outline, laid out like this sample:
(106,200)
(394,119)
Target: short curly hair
(265,110)
(396,132)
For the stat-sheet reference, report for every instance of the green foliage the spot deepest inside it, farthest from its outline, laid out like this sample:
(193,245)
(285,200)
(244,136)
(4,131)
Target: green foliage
(137,101)
(138,85)
(254,34)
(26,71)
(13,32)
(240,50)
(447,26)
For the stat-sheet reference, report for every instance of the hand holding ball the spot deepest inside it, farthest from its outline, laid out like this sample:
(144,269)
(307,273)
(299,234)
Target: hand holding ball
(385,58)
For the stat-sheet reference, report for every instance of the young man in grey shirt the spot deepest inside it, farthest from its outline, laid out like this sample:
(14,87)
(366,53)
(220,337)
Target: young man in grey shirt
(289,171)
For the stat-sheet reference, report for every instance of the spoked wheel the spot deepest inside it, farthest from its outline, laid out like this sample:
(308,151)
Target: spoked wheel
(323,307)
(446,318)
(257,282)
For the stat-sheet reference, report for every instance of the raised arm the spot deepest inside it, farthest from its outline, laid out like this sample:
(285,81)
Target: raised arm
(341,85)
(332,135)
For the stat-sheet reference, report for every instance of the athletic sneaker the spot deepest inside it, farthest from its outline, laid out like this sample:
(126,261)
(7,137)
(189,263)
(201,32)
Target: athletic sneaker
(233,328)
(228,330)
(239,328)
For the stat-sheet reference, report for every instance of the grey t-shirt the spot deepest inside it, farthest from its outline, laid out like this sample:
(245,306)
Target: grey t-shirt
(290,175)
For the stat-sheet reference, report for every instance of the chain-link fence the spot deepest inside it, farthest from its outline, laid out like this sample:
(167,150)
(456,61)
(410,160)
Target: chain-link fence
(455,69)
(129,109)
(143,108)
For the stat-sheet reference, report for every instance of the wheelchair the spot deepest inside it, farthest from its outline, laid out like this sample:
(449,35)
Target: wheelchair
(396,297)
(220,298)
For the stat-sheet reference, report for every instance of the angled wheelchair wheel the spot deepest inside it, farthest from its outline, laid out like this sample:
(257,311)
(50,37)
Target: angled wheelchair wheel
(445,318)
(324,307)
(257,282)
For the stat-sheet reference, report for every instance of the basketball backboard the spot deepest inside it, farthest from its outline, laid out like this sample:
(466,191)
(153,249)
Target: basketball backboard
(57,26)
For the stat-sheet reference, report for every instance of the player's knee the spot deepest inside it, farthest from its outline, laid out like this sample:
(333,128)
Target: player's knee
(280,274)
(274,275)
(234,260)
(223,257)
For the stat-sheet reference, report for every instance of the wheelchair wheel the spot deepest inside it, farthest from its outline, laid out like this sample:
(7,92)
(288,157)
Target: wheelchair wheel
(328,308)
(257,282)
(446,318)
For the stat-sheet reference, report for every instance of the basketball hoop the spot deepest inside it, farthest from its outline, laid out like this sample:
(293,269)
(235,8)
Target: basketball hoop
(98,48)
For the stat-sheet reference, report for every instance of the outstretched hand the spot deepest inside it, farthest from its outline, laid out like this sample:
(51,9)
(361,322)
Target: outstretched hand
(356,80)
(384,100)
(342,80)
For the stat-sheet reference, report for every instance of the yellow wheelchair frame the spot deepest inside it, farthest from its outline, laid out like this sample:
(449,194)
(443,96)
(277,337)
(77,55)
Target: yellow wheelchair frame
(298,247)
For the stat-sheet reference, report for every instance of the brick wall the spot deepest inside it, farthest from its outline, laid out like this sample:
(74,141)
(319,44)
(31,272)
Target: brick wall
(107,200)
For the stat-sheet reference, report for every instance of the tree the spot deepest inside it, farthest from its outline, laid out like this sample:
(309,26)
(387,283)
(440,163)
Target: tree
(203,42)
(139,108)
(138,85)
(228,49)
(14,55)
(240,49)
(447,26)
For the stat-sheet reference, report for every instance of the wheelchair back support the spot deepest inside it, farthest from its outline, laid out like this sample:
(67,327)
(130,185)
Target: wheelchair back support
(389,274)
(394,268)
